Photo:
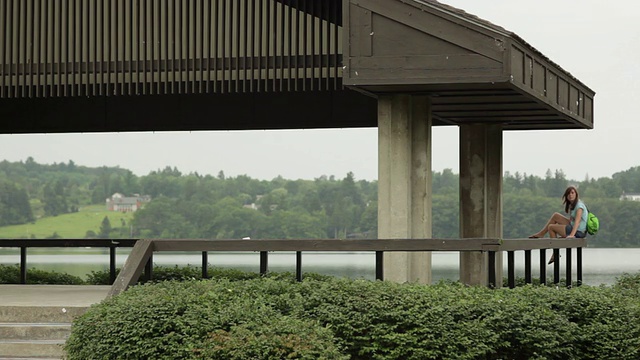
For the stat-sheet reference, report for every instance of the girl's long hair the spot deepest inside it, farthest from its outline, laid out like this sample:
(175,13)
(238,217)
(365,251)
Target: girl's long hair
(568,205)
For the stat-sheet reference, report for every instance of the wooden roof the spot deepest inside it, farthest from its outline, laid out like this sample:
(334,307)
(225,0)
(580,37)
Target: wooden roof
(474,70)
(285,64)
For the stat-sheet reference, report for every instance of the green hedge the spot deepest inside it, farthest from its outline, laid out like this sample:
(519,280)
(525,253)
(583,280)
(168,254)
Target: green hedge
(10,274)
(277,318)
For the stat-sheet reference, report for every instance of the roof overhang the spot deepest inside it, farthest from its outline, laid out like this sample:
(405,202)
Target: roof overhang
(474,71)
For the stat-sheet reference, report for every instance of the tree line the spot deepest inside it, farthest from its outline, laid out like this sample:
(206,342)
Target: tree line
(206,206)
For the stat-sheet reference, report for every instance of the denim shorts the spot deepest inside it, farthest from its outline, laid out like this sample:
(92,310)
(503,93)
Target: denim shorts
(579,234)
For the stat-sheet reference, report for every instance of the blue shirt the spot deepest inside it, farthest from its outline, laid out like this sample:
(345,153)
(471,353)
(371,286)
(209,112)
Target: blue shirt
(583,219)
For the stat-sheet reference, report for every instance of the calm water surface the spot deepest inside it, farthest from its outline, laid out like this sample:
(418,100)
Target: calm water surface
(600,266)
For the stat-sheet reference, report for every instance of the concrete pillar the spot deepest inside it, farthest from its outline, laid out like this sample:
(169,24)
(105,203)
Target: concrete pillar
(404,182)
(480,197)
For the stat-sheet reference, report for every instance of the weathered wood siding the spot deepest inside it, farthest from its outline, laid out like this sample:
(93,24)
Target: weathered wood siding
(392,43)
(68,48)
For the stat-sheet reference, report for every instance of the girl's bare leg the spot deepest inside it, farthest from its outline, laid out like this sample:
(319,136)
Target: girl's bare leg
(556,218)
(554,231)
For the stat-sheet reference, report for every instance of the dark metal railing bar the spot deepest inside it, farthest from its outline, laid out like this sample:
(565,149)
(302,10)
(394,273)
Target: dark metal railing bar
(298,266)
(23,265)
(569,266)
(112,264)
(543,266)
(205,265)
(148,269)
(380,265)
(556,266)
(492,269)
(511,269)
(264,262)
(579,266)
(527,266)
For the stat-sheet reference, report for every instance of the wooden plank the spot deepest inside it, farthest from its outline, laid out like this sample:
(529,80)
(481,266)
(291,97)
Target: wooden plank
(47,243)
(424,66)
(545,243)
(475,244)
(438,23)
(133,267)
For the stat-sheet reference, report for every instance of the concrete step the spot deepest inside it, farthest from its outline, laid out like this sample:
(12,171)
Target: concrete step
(40,314)
(34,331)
(13,349)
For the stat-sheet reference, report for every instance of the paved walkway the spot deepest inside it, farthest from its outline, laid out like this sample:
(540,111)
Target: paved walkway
(52,295)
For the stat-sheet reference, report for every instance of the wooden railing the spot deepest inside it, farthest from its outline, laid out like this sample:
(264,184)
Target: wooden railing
(141,256)
(24,244)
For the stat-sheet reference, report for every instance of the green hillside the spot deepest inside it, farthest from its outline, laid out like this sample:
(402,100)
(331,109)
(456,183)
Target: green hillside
(73,225)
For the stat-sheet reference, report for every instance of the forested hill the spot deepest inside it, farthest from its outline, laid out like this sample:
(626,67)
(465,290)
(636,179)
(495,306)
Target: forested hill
(205,206)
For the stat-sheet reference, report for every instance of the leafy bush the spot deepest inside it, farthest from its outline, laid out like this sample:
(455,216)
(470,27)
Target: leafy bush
(199,319)
(10,274)
(188,272)
(628,284)
(276,318)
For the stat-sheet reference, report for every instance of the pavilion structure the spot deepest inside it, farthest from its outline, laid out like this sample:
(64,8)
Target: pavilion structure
(403,66)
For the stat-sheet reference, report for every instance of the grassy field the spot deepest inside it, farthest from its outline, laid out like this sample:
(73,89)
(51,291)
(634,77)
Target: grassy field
(73,225)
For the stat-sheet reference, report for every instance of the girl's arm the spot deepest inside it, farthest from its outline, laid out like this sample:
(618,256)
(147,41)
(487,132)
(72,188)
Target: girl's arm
(576,223)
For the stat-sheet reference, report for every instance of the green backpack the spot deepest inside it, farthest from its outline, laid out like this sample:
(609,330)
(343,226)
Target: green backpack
(593,224)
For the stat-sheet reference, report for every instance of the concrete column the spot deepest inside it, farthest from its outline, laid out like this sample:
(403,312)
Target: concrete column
(404,182)
(480,197)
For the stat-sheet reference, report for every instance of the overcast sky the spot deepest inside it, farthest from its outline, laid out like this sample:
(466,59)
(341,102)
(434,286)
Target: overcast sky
(597,41)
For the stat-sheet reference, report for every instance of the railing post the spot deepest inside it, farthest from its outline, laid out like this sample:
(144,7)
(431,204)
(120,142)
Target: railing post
(379,265)
(148,269)
(264,262)
(112,264)
(527,266)
(543,266)
(299,266)
(23,265)
(568,253)
(579,266)
(511,269)
(205,265)
(556,266)
(492,269)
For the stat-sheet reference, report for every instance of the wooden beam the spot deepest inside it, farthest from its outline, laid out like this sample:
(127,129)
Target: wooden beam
(133,267)
(476,244)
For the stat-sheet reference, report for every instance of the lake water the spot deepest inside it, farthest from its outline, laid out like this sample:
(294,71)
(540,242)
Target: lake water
(600,266)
